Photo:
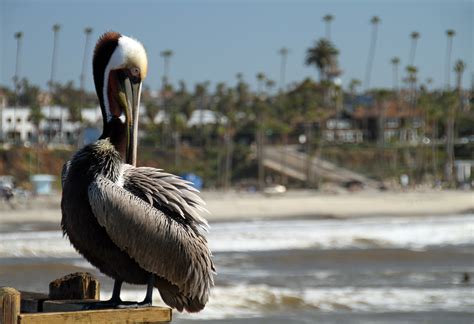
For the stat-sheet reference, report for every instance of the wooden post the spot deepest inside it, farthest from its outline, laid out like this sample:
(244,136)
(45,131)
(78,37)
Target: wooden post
(79,285)
(9,305)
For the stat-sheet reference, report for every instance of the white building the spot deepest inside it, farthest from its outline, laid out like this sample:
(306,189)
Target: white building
(16,124)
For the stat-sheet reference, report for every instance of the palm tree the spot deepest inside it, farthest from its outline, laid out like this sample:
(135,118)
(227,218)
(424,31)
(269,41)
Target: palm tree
(260,80)
(166,55)
(381,97)
(328,19)
(370,59)
(56,29)
(225,101)
(412,79)
(284,54)
(414,39)
(16,77)
(269,84)
(87,32)
(240,77)
(353,84)
(165,88)
(395,63)
(259,129)
(321,56)
(449,47)
(459,68)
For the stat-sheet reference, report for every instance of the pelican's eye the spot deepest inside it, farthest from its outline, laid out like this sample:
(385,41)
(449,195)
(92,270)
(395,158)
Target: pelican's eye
(134,74)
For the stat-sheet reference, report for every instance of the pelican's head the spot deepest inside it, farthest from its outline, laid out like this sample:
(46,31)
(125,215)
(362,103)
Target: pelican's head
(120,65)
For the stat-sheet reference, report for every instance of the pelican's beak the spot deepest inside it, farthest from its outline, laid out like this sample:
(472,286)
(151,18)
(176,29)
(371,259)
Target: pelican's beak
(131,89)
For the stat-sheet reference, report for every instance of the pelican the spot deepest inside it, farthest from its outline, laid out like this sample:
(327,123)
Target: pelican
(138,225)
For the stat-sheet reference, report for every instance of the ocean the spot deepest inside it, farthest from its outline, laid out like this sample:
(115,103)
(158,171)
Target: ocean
(354,270)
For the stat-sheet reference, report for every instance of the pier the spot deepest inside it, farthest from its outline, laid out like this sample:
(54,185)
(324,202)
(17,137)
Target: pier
(65,303)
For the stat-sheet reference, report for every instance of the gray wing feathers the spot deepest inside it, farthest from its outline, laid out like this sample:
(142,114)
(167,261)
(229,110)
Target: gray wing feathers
(167,190)
(159,244)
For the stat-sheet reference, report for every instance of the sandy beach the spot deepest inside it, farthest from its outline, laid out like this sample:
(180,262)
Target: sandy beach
(293,204)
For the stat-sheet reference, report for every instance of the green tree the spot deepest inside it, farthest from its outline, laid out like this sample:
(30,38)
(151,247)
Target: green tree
(69,97)
(452,106)
(322,55)
(36,117)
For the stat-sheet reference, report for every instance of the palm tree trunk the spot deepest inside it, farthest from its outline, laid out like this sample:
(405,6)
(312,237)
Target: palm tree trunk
(177,147)
(434,151)
(309,156)
(228,161)
(56,29)
(260,144)
(370,59)
(381,125)
(16,79)
(450,145)
(411,59)
(449,47)
(283,160)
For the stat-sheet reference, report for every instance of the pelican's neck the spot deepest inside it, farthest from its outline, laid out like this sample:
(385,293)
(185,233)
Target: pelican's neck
(116,131)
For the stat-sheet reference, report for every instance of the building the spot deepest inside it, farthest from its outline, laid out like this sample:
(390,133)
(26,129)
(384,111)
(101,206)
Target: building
(56,125)
(389,121)
(342,130)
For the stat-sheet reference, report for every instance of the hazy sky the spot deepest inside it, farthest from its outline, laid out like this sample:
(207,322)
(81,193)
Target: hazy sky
(214,40)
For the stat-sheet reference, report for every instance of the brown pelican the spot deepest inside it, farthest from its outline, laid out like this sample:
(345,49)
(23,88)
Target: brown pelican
(137,225)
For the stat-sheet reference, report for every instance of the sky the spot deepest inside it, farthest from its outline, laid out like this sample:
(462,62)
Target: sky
(215,40)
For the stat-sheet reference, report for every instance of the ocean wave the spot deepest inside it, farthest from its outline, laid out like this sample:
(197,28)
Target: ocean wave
(385,232)
(382,232)
(258,300)
(35,244)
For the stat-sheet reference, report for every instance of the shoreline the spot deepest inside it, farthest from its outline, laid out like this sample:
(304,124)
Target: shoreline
(233,206)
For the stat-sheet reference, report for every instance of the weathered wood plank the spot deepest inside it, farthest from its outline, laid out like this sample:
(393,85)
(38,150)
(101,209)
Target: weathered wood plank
(79,285)
(32,302)
(9,305)
(66,305)
(134,315)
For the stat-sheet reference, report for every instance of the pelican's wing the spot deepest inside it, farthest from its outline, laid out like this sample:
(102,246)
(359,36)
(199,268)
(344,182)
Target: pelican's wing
(158,243)
(167,192)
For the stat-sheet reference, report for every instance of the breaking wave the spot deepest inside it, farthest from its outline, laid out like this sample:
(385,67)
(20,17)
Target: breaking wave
(382,232)
(257,300)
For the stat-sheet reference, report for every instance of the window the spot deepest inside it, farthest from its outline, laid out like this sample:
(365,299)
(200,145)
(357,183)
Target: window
(392,122)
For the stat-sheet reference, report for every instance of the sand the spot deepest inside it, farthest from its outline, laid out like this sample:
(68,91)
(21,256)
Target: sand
(307,204)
